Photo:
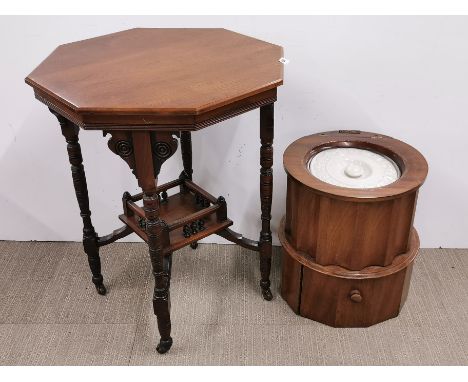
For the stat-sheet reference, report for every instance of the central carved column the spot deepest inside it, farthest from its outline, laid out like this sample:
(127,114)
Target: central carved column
(145,152)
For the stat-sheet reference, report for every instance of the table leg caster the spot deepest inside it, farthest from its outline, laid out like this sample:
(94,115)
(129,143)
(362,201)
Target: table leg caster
(101,289)
(266,291)
(194,245)
(164,346)
(267,295)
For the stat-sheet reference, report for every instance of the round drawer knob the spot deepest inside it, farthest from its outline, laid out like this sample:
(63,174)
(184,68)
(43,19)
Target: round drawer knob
(355,296)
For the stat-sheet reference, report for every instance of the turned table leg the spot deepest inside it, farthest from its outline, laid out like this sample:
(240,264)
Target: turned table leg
(186,149)
(266,190)
(158,236)
(156,229)
(70,132)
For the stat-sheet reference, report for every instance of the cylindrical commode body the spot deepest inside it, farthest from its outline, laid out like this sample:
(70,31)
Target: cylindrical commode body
(348,236)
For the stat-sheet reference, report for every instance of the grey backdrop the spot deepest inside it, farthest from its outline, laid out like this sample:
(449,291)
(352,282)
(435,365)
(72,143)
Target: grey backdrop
(401,76)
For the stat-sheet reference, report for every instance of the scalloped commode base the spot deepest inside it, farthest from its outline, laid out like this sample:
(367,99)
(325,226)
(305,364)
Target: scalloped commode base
(339,297)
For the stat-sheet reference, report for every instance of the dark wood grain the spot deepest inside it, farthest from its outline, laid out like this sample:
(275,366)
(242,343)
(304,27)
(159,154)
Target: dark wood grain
(197,189)
(160,188)
(355,247)
(291,281)
(354,235)
(266,191)
(239,239)
(90,237)
(186,149)
(412,164)
(354,228)
(325,293)
(145,88)
(114,236)
(157,234)
(177,208)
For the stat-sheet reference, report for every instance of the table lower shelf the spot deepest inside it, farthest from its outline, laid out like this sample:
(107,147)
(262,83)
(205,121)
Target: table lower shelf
(173,209)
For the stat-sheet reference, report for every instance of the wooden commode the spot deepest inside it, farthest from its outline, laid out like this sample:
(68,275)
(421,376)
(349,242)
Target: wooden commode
(348,237)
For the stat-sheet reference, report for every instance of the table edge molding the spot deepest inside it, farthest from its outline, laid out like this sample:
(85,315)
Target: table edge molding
(169,123)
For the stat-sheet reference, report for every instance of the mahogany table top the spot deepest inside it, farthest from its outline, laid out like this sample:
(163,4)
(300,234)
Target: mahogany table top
(158,78)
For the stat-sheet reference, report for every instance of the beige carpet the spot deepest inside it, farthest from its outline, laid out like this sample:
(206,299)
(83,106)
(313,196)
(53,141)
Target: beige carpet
(50,313)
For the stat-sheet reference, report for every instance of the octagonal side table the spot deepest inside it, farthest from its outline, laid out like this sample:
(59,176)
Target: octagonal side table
(147,89)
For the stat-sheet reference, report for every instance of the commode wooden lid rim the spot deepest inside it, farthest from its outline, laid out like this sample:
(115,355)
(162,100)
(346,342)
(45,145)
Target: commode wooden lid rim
(412,165)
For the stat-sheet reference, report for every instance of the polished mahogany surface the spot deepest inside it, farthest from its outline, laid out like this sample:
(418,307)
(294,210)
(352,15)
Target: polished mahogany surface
(145,77)
(147,89)
(348,252)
